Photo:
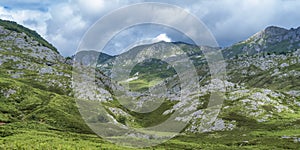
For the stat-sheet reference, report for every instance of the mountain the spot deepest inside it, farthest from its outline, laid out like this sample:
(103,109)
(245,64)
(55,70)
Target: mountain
(86,57)
(192,51)
(262,85)
(35,82)
(271,40)
(260,109)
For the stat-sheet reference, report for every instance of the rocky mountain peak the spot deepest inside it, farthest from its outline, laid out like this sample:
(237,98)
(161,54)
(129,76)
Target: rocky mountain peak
(274,30)
(269,32)
(273,39)
(275,34)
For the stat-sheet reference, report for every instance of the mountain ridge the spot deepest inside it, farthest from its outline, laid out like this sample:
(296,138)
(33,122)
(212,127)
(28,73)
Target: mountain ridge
(13,26)
(257,40)
(270,40)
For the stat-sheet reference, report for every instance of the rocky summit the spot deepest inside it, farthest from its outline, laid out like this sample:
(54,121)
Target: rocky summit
(271,40)
(261,107)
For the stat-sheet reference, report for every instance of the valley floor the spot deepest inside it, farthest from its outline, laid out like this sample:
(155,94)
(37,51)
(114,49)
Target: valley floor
(33,135)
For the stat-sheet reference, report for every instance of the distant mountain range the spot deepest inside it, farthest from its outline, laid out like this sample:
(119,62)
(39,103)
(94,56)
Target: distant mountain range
(270,40)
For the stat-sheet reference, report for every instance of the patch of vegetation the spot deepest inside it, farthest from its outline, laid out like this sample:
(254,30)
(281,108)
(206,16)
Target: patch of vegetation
(154,117)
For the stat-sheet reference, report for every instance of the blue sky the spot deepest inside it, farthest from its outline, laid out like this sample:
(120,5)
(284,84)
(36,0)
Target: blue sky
(64,22)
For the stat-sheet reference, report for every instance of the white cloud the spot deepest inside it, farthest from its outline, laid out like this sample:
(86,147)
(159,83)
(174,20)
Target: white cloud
(66,27)
(91,6)
(234,20)
(161,37)
(33,19)
(70,20)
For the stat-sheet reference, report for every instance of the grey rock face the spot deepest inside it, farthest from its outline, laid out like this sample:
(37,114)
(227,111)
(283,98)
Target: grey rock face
(24,57)
(271,40)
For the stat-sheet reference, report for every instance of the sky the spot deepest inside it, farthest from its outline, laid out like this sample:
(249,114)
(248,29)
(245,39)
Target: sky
(64,22)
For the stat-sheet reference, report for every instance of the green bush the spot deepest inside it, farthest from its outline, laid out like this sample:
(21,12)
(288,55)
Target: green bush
(121,119)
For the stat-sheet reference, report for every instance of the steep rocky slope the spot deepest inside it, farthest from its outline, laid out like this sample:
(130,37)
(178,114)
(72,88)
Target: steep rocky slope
(35,81)
(270,40)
